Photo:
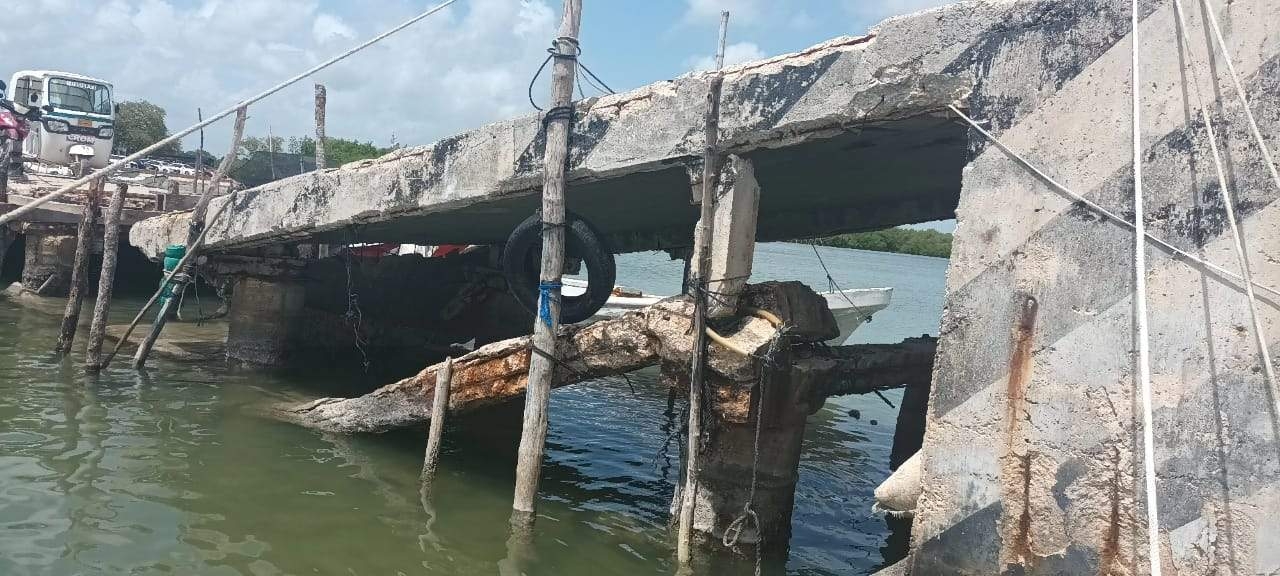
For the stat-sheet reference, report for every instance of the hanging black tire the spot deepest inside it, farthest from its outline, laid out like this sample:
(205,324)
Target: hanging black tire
(522,260)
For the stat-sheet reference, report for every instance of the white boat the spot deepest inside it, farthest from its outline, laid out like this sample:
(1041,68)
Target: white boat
(852,308)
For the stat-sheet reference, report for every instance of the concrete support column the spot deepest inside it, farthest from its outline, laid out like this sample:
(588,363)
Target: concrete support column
(908,435)
(7,236)
(50,256)
(263,320)
(727,456)
(733,239)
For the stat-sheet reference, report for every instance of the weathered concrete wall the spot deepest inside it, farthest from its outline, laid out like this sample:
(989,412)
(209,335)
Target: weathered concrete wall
(1033,454)
(388,312)
(50,254)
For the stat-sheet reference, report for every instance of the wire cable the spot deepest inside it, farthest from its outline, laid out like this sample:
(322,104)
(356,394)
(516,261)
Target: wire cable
(1218,270)
(21,210)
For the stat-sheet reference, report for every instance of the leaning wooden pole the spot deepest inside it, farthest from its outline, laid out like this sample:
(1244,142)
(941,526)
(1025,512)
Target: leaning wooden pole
(195,234)
(237,134)
(80,269)
(168,279)
(558,122)
(439,408)
(196,186)
(700,271)
(106,280)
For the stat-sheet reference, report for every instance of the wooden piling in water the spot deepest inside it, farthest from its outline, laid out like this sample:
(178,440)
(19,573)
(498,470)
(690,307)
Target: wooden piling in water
(542,363)
(80,268)
(700,270)
(106,280)
(439,408)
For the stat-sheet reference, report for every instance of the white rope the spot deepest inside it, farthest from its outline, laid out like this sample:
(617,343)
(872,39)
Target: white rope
(11,216)
(1140,305)
(1227,200)
(1244,99)
(1218,270)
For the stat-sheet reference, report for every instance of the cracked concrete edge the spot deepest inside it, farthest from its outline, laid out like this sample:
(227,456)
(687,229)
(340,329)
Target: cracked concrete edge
(896,72)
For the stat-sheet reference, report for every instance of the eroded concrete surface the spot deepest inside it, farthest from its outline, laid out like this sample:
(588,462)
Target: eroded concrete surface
(1033,454)
(847,135)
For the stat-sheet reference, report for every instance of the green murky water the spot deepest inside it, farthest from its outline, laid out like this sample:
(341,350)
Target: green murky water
(171,472)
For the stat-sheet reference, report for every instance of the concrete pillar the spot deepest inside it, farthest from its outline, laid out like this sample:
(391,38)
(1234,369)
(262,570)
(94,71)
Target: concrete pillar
(263,320)
(7,236)
(908,435)
(733,239)
(726,459)
(50,256)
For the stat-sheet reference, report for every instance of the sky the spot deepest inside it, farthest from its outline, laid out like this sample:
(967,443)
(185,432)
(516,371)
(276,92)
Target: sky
(466,66)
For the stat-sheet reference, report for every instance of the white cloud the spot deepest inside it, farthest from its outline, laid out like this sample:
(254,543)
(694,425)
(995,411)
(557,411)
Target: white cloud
(465,66)
(328,27)
(738,53)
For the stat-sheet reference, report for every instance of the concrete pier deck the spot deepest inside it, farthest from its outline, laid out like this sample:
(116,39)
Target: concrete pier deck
(848,135)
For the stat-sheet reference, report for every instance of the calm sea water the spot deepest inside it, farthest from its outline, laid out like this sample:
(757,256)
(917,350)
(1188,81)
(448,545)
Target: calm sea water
(171,471)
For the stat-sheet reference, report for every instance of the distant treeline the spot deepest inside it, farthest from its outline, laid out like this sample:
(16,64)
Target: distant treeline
(898,240)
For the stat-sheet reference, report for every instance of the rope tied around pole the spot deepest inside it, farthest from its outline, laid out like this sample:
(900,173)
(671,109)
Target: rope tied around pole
(547,291)
(554,53)
(733,533)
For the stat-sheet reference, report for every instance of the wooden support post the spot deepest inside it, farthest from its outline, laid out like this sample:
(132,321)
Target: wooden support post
(4,176)
(237,133)
(322,100)
(439,407)
(701,268)
(322,162)
(195,236)
(80,269)
(106,280)
(195,186)
(542,364)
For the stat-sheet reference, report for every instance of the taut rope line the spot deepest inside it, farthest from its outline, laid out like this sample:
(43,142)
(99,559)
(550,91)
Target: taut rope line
(1140,310)
(1220,271)
(1228,202)
(11,216)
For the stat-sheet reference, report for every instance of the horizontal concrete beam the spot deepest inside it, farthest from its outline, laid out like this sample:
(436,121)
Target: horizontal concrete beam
(851,121)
